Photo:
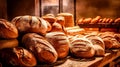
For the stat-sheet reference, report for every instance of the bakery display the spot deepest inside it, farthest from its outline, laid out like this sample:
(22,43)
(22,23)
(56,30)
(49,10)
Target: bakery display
(30,24)
(60,42)
(17,56)
(40,47)
(82,48)
(7,30)
(51,40)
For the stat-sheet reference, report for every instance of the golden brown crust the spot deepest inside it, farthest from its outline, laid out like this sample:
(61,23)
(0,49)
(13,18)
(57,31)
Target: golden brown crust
(109,40)
(117,20)
(81,47)
(7,30)
(95,20)
(8,43)
(87,20)
(80,21)
(18,56)
(60,43)
(69,21)
(56,27)
(50,18)
(33,24)
(61,20)
(42,49)
(98,43)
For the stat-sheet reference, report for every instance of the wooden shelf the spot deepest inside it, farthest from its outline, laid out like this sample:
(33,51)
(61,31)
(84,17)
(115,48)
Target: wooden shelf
(97,62)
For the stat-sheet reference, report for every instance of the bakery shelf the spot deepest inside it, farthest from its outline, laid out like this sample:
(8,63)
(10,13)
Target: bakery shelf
(104,25)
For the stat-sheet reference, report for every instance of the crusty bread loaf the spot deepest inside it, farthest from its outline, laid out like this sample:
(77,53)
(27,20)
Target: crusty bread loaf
(69,20)
(109,40)
(18,56)
(81,47)
(60,20)
(8,43)
(98,43)
(96,40)
(30,24)
(42,49)
(7,30)
(60,42)
(50,18)
(56,27)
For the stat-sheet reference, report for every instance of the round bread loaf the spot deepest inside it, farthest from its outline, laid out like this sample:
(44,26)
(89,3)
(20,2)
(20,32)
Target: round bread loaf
(69,20)
(109,40)
(61,20)
(30,24)
(50,18)
(60,42)
(42,49)
(7,30)
(81,47)
(57,27)
(98,43)
(17,56)
(8,43)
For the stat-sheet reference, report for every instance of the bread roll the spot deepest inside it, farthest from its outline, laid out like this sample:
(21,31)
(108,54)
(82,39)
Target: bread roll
(17,56)
(81,47)
(98,43)
(80,21)
(8,43)
(30,24)
(95,20)
(87,20)
(42,49)
(69,20)
(50,18)
(117,20)
(60,42)
(61,20)
(57,27)
(7,30)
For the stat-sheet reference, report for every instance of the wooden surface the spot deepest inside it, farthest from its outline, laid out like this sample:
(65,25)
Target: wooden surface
(96,62)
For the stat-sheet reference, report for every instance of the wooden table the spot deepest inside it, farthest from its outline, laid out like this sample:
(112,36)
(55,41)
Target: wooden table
(97,62)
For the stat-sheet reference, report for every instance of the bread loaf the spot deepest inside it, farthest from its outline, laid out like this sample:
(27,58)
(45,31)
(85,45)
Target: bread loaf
(60,20)
(30,24)
(69,20)
(42,49)
(81,47)
(56,27)
(95,20)
(60,42)
(98,43)
(8,43)
(7,30)
(17,56)
(109,40)
(50,18)
(117,20)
